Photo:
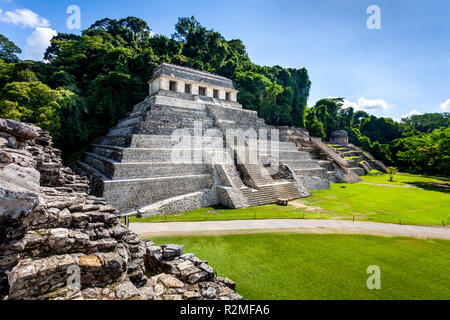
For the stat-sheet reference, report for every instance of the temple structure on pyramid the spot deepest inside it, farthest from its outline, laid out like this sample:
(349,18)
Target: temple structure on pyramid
(190,144)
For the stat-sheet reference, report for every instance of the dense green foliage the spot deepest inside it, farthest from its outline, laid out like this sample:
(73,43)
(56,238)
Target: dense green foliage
(91,81)
(8,50)
(277,266)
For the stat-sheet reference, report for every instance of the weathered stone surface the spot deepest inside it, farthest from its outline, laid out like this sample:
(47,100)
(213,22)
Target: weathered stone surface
(19,191)
(191,295)
(19,129)
(172,250)
(209,293)
(171,282)
(126,290)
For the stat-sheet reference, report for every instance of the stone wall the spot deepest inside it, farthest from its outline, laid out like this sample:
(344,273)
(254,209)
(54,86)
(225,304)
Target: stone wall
(189,81)
(58,242)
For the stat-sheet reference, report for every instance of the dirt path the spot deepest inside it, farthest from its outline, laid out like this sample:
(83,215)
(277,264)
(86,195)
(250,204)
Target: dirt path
(288,225)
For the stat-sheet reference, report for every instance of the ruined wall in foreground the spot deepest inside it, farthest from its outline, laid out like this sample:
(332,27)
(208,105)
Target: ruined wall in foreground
(50,228)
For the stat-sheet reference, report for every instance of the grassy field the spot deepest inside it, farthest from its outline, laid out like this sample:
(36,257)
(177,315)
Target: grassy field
(299,266)
(422,204)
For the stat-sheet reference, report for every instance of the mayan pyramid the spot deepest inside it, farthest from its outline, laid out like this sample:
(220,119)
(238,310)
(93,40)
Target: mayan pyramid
(190,144)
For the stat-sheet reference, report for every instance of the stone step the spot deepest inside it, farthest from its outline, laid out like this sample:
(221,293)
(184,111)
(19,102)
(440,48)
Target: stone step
(326,164)
(129,121)
(174,102)
(160,110)
(135,170)
(255,130)
(136,193)
(142,106)
(259,174)
(156,128)
(271,193)
(176,119)
(116,141)
(124,131)
(170,155)
(137,113)
(299,164)
(307,149)
(358,170)
(169,129)
(182,203)
(313,172)
(263,144)
(351,154)
(304,164)
(178,122)
(332,176)
(285,156)
(163,141)
(237,114)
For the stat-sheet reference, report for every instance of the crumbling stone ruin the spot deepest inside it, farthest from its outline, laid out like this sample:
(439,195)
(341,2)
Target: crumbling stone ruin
(342,161)
(59,243)
(190,144)
(361,162)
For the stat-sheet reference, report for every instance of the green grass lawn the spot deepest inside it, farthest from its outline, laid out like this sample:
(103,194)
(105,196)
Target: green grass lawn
(300,266)
(416,205)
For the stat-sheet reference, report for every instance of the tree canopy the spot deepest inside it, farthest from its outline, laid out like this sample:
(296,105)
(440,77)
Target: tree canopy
(8,50)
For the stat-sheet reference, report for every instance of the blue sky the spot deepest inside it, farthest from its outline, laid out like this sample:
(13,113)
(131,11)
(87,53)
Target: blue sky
(404,67)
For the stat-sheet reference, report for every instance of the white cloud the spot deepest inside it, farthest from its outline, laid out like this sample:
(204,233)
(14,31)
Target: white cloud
(38,42)
(446,106)
(412,113)
(24,18)
(367,104)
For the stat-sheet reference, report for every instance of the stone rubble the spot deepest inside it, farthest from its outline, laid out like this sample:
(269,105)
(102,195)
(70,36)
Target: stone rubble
(50,227)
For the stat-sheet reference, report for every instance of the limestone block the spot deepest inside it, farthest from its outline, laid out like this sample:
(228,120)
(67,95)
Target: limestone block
(19,191)
(172,250)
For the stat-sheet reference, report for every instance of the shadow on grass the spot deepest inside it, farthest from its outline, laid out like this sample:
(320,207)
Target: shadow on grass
(433,186)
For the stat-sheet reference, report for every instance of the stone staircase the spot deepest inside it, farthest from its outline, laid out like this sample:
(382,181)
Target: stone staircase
(140,163)
(260,188)
(322,159)
(360,162)
(308,170)
(271,193)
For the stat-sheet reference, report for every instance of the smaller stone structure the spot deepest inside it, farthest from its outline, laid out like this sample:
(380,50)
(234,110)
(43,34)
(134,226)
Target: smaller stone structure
(339,137)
